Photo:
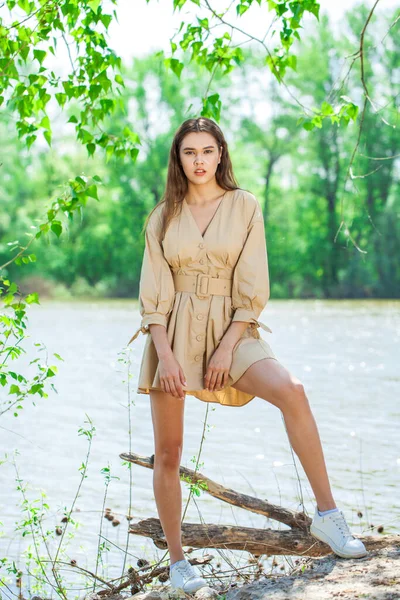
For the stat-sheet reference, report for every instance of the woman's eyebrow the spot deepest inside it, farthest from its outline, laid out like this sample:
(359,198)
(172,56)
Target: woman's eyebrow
(205,147)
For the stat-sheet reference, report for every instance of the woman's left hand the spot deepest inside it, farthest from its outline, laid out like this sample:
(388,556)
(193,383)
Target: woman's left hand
(216,377)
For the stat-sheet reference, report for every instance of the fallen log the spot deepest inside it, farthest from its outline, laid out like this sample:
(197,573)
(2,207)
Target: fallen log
(262,507)
(294,541)
(255,541)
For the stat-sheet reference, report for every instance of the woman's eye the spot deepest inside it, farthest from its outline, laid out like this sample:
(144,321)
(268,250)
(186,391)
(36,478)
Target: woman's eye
(190,152)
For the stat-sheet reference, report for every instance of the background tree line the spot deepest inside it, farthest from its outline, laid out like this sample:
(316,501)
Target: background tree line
(298,176)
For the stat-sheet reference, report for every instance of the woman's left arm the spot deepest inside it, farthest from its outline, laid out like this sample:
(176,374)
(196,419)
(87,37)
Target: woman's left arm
(250,289)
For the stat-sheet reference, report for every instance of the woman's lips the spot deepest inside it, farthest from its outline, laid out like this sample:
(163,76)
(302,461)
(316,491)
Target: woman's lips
(200,172)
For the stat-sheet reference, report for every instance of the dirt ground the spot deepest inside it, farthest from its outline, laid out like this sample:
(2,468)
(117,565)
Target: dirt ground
(375,577)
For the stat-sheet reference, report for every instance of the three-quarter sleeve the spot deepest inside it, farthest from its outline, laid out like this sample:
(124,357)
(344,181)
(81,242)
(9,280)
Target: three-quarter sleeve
(156,288)
(250,286)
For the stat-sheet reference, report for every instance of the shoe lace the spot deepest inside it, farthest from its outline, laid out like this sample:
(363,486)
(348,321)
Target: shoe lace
(340,522)
(186,569)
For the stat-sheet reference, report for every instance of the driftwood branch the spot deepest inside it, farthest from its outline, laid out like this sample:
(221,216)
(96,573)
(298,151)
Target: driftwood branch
(297,520)
(255,541)
(295,541)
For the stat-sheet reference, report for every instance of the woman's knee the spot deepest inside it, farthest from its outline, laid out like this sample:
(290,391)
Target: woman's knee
(168,456)
(291,395)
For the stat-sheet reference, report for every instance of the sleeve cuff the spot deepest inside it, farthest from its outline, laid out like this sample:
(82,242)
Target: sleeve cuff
(154,319)
(242,314)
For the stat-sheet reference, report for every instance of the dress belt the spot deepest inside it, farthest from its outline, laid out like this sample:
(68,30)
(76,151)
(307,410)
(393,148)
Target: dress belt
(205,285)
(202,285)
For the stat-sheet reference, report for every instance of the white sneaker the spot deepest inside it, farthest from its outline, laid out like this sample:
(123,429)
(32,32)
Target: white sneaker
(186,577)
(334,531)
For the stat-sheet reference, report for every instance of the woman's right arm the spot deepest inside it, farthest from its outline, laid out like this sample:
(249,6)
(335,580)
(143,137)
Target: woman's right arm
(160,340)
(156,289)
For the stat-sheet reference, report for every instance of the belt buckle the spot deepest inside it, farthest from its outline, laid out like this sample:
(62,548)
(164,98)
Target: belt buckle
(200,291)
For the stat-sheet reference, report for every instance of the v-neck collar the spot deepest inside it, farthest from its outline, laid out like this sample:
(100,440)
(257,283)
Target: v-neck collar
(202,235)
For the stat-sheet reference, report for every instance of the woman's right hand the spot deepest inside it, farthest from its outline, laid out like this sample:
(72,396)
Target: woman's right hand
(172,376)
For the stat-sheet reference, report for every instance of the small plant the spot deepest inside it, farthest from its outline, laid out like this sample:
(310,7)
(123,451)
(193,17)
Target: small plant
(195,487)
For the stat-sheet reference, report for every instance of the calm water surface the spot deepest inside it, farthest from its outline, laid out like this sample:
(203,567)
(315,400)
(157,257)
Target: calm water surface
(345,352)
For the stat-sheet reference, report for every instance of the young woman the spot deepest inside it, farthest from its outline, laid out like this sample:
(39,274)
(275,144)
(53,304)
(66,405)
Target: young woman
(204,282)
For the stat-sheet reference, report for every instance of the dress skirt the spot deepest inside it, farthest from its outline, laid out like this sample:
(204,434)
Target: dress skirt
(246,352)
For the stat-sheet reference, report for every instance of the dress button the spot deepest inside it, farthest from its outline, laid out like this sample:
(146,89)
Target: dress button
(201,261)
(199,338)
(199,317)
(201,245)
(197,358)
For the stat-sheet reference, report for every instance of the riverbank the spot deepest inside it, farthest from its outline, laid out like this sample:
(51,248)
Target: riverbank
(375,577)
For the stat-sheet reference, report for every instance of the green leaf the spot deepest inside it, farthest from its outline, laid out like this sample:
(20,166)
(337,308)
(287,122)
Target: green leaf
(85,136)
(47,136)
(326,108)
(29,140)
(109,152)
(61,98)
(241,9)
(92,191)
(45,122)
(94,5)
(352,111)
(317,121)
(56,228)
(134,153)
(175,65)
(314,9)
(94,92)
(203,23)
(292,62)
(131,135)
(212,107)
(119,80)
(24,4)
(32,298)
(39,55)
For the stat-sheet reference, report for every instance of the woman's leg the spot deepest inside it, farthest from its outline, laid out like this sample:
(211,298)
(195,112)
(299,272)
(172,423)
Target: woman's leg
(168,418)
(269,380)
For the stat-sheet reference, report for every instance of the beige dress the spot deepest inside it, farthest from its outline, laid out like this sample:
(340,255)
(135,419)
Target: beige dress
(232,247)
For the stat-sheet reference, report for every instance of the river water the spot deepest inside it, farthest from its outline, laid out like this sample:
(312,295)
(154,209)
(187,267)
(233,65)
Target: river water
(345,352)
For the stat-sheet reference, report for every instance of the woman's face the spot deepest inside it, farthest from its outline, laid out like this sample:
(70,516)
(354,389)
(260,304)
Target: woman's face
(199,152)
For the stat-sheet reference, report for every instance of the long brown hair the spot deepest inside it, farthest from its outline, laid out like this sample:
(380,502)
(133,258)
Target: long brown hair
(177,184)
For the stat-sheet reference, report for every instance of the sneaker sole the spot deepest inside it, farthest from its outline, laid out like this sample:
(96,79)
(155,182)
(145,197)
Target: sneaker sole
(189,591)
(322,537)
